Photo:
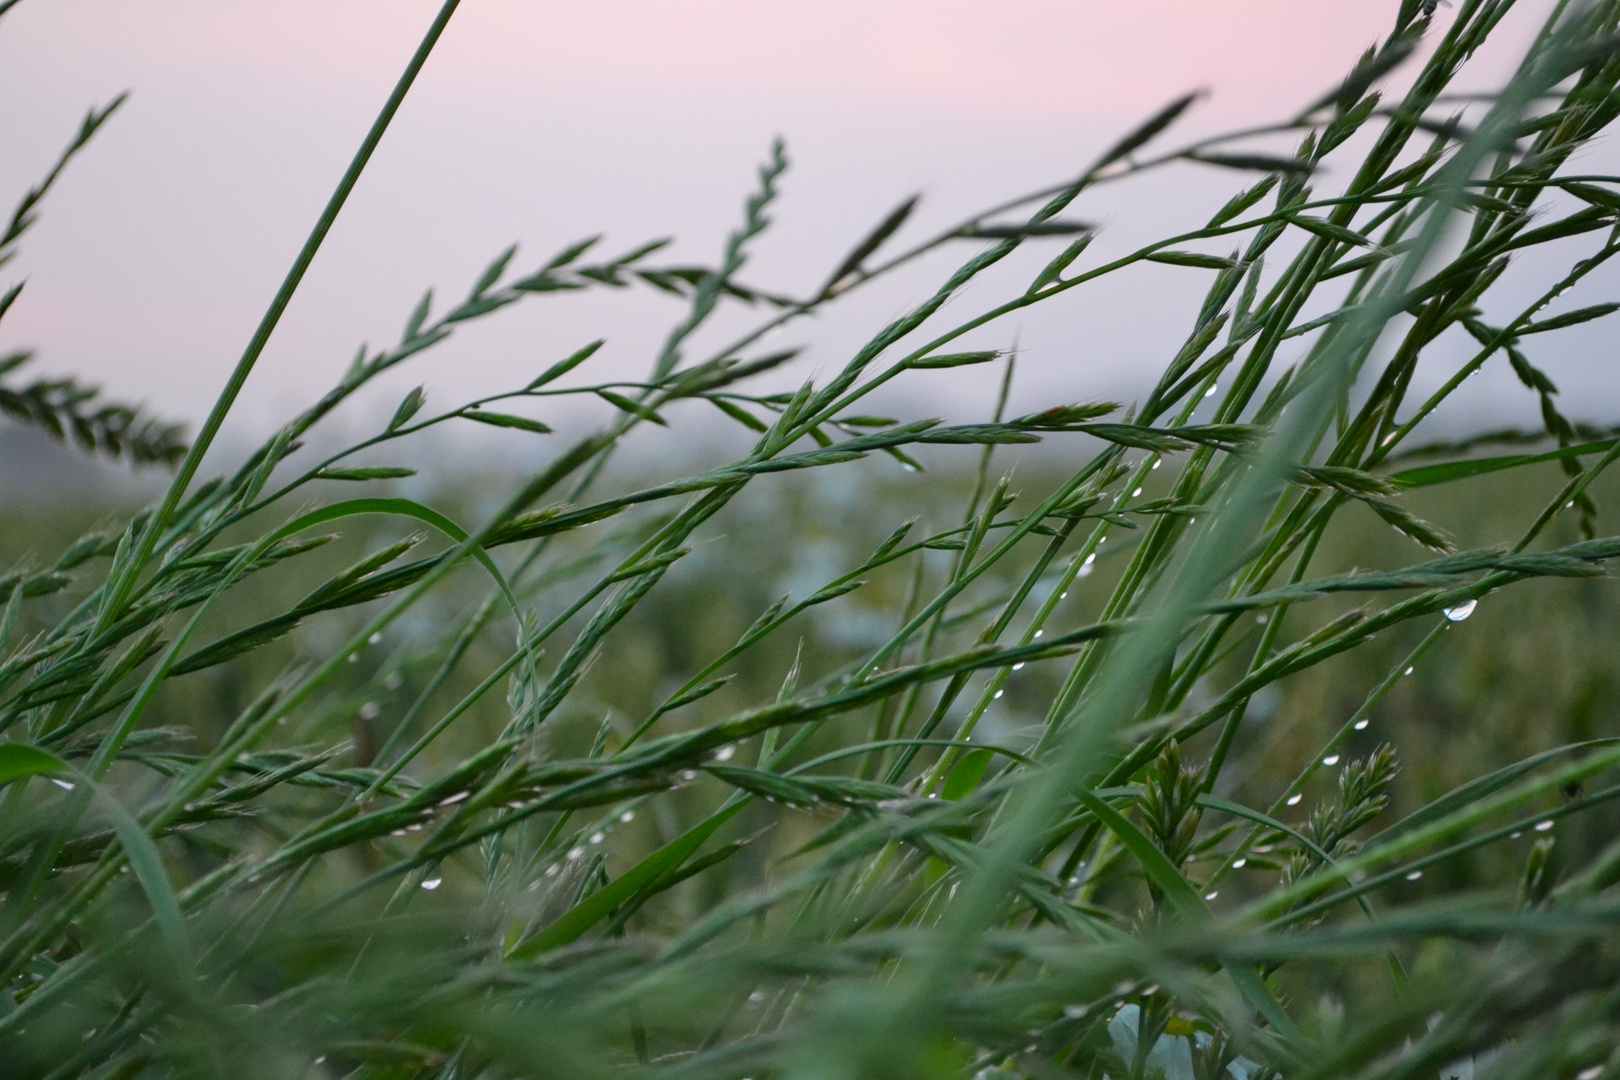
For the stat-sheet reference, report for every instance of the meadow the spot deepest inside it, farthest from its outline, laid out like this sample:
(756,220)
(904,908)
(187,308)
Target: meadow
(1246,729)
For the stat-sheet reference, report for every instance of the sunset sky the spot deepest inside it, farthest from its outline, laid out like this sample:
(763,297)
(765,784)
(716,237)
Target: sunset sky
(542,123)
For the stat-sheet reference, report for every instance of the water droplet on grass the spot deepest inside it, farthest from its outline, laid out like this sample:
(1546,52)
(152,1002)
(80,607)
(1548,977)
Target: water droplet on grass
(1461,611)
(689,774)
(1157,462)
(369,711)
(1017,666)
(1212,894)
(725,753)
(374,638)
(1135,493)
(1361,725)
(1085,571)
(628,816)
(63,784)
(1213,387)
(1414,875)
(1294,800)
(575,853)
(1544,826)
(1408,671)
(432,883)
(598,837)
(1038,633)
(999,693)
(1331,759)
(1238,864)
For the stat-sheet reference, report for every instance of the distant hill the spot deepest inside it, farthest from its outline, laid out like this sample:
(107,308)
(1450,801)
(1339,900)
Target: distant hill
(36,468)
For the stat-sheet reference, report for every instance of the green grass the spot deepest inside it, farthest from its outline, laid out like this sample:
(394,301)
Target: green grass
(1059,771)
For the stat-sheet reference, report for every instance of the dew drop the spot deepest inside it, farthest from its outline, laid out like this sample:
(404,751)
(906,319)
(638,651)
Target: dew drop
(432,883)
(1018,666)
(1294,800)
(909,467)
(575,853)
(1408,671)
(1212,894)
(598,837)
(393,681)
(1515,834)
(369,711)
(63,784)
(1091,558)
(1238,864)
(1361,725)
(1213,387)
(1590,1073)
(1038,633)
(1261,619)
(1544,826)
(725,753)
(1063,596)
(1075,1012)
(1414,875)
(1570,505)
(354,658)
(1157,462)
(999,693)
(628,816)
(689,774)
(1135,493)
(551,871)
(1331,760)
(1461,611)
(1085,571)
(756,997)
(397,832)
(374,638)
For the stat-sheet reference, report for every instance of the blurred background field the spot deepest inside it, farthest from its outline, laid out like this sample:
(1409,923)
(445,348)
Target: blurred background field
(1533,668)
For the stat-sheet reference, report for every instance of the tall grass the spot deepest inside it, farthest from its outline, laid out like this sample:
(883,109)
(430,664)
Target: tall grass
(359,873)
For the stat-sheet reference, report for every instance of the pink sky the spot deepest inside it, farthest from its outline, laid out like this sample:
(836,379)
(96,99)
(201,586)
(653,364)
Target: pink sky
(544,122)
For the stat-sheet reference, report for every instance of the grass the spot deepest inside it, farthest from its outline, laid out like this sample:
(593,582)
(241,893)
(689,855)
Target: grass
(1117,770)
